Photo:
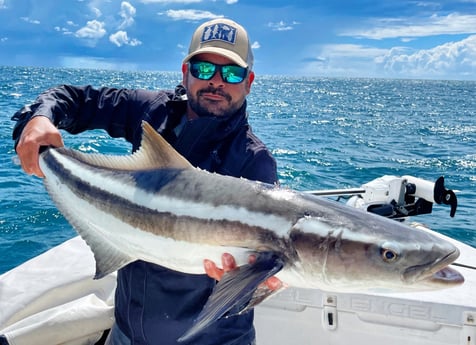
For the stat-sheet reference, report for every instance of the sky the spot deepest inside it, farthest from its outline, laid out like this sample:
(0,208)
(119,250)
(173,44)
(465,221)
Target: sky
(414,39)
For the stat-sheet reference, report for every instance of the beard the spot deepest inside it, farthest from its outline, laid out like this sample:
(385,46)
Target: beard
(204,108)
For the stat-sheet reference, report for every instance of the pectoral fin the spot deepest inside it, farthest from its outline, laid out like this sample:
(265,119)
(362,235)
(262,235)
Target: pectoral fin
(234,292)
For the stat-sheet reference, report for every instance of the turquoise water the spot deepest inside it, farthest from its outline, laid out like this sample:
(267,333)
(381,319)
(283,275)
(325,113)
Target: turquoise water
(324,133)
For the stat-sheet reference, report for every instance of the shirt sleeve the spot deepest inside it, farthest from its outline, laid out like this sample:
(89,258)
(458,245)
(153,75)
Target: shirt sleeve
(76,109)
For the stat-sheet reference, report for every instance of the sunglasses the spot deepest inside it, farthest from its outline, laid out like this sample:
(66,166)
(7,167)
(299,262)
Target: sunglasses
(204,70)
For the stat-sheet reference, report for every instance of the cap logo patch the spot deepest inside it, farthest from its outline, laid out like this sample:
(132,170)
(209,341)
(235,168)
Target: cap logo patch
(219,32)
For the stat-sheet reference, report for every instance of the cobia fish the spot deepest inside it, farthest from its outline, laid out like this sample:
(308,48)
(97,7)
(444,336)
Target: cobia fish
(154,206)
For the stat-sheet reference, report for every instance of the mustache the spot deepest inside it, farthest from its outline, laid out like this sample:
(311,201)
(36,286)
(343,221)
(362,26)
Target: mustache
(215,91)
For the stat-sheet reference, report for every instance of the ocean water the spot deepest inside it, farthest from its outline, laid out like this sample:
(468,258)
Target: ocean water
(324,133)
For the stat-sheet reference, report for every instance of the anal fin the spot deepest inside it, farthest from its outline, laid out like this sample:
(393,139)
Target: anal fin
(109,258)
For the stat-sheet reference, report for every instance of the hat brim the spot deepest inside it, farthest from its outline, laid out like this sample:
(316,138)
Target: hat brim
(219,51)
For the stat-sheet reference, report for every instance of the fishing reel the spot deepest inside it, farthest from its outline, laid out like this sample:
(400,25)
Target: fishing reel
(400,197)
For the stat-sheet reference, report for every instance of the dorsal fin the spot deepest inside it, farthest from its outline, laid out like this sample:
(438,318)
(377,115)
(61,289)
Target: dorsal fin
(155,152)
(159,151)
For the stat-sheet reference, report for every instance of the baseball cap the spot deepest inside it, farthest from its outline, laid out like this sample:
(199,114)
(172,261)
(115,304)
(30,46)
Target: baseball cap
(223,37)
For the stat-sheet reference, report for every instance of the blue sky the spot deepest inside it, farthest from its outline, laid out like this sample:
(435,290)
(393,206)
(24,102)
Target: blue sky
(325,38)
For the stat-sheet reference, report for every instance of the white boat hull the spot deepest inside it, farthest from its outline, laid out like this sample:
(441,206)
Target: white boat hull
(44,302)
(313,317)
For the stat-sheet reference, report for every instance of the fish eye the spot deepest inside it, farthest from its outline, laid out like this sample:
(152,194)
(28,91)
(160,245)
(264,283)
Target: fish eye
(389,252)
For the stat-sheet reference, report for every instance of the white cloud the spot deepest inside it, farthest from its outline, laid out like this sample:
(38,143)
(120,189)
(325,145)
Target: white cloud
(282,26)
(127,13)
(96,11)
(255,45)
(2,4)
(95,63)
(93,31)
(351,50)
(454,23)
(456,59)
(191,15)
(120,38)
(342,60)
(64,31)
(452,60)
(29,20)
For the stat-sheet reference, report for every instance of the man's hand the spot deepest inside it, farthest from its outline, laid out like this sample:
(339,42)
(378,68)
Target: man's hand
(229,264)
(39,131)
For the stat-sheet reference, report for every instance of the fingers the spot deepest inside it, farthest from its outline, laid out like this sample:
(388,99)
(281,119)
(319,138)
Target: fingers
(228,263)
(29,157)
(212,270)
(274,283)
(39,131)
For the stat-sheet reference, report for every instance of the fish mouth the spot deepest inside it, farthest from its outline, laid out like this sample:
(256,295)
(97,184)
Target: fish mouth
(446,275)
(437,271)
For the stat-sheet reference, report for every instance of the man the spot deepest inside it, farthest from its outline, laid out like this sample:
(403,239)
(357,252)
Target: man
(205,120)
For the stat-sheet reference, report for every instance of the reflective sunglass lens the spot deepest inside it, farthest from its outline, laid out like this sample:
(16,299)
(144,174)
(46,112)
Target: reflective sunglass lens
(204,70)
(233,74)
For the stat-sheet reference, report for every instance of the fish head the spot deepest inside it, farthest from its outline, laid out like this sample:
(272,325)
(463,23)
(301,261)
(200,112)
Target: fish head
(370,253)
